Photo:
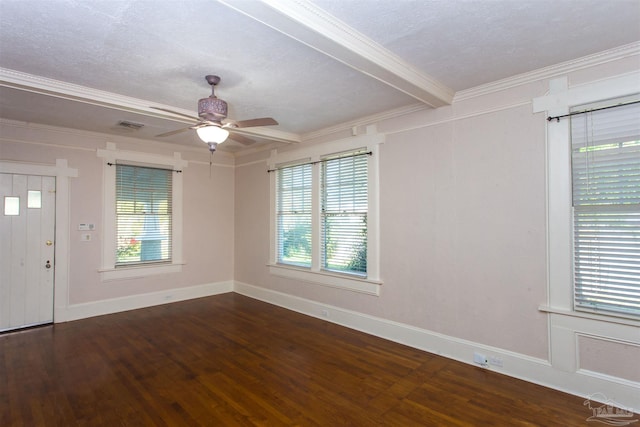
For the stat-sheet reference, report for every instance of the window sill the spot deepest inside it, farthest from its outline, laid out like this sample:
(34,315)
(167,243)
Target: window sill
(139,271)
(334,280)
(591,316)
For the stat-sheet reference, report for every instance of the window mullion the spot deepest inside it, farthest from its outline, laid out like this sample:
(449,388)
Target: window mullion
(316,195)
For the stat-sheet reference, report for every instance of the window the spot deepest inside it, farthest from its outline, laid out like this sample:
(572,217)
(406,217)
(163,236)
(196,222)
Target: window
(294,215)
(344,214)
(325,214)
(11,206)
(143,215)
(606,209)
(34,199)
(561,231)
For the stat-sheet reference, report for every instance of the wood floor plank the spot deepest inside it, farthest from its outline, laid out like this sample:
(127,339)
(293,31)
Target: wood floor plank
(229,360)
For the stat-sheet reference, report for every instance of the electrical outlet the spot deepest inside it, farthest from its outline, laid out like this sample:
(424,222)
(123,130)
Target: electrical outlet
(480,359)
(496,361)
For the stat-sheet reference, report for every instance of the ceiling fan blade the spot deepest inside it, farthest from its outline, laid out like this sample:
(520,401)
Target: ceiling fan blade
(173,132)
(200,124)
(241,139)
(264,121)
(176,113)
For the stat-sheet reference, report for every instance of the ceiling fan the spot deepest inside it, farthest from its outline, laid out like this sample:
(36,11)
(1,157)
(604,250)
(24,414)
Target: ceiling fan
(212,126)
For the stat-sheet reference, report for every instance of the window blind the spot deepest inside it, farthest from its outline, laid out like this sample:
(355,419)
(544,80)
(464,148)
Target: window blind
(143,215)
(344,210)
(294,208)
(606,210)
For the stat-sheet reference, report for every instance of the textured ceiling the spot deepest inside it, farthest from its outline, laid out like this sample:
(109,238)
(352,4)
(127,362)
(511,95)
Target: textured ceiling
(158,52)
(468,43)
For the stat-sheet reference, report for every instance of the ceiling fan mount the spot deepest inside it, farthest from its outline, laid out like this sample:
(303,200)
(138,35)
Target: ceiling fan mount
(212,80)
(212,113)
(212,108)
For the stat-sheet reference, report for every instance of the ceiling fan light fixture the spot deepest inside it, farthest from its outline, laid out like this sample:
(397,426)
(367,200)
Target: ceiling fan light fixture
(212,134)
(212,111)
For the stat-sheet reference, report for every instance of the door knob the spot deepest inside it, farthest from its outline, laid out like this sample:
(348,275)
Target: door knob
(49,243)
(48,264)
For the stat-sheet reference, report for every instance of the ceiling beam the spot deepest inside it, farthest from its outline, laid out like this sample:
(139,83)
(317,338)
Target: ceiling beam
(308,24)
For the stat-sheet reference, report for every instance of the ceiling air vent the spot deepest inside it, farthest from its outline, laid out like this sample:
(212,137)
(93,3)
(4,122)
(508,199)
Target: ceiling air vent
(130,125)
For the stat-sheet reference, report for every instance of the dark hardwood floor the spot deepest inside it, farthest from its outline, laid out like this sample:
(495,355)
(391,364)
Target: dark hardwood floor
(230,360)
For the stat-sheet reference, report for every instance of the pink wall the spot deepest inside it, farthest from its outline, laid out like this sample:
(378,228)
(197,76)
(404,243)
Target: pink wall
(208,210)
(611,358)
(463,221)
(463,236)
(462,232)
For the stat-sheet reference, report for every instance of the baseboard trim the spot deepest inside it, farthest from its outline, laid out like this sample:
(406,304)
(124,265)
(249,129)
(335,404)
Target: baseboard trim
(133,302)
(517,365)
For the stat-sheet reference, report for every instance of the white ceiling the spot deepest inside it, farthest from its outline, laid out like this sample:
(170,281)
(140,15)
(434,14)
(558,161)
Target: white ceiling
(88,64)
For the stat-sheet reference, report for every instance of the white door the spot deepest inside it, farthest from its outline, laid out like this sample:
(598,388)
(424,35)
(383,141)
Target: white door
(27,223)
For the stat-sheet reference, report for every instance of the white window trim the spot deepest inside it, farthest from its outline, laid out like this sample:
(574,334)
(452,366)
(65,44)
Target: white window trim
(372,283)
(558,102)
(112,155)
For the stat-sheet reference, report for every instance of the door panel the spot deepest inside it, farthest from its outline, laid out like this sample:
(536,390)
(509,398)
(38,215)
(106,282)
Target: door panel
(27,251)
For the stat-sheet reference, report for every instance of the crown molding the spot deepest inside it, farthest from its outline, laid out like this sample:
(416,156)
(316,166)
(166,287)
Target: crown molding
(50,130)
(309,24)
(367,120)
(551,71)
(59,89)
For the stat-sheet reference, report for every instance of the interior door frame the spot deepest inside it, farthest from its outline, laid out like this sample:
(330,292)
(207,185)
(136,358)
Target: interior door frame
(62,172)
